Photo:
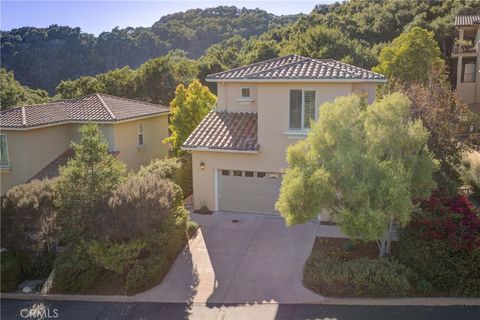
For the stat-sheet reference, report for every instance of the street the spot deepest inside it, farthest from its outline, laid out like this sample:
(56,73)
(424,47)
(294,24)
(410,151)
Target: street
(68,310)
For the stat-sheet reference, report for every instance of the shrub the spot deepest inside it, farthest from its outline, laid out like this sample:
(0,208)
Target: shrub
(38,264)
(139,205)
(192,228)
(117,257)
(470,172)
(442,245)
(179,170)
(27,216)
(360,277)
(75,271)
(11,270)
(147,273)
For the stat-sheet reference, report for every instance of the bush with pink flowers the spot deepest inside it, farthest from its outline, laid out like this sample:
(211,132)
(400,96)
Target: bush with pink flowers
(442,244)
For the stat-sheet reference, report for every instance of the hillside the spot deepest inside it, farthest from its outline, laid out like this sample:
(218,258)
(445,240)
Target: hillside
(42,57)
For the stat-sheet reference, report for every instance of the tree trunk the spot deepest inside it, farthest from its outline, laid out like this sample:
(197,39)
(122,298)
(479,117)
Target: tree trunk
(385,245)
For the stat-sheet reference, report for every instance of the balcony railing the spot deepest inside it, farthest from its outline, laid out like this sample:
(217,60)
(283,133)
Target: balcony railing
(462,48)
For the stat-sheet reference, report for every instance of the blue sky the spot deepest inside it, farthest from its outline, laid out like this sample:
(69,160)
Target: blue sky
(97,16)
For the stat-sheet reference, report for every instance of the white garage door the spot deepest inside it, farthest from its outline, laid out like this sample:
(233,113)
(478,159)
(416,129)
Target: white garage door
(248,191)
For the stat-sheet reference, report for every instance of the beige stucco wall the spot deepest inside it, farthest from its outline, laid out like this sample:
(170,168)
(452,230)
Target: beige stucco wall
(31,150)
(230,96)
(273,138)
(125,135)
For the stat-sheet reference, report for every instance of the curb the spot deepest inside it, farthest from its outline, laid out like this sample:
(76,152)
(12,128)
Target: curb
(327,301)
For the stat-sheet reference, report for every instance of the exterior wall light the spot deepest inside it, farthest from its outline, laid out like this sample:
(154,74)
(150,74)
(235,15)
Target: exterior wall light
(202,165)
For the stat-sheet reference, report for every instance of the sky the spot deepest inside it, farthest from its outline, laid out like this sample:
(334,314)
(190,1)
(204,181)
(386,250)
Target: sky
(97,16)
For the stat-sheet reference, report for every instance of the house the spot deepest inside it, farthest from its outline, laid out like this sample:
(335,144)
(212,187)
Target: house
(239,149)
(35,140)
(466,53)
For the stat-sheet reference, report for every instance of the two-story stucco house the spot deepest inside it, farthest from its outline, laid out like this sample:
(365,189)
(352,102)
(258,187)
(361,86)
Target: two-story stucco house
(35,140)
(466,53)
(239,149)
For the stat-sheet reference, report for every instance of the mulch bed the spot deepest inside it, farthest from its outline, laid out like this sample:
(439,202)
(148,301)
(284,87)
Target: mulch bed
(349,249)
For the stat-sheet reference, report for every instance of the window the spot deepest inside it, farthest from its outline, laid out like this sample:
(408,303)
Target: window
(273,175)
(237,173)
(302,108)
(245,92)
(225,172)
(140,134)
(260,174)
(248,173)
(3,150)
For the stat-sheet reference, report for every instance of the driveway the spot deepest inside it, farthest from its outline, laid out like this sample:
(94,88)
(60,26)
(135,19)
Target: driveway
(240,258)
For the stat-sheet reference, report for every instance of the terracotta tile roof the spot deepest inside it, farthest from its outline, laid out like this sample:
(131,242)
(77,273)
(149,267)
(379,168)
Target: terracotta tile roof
(222,130)
(96,107)
(467,20)
(52,169)
(295,67)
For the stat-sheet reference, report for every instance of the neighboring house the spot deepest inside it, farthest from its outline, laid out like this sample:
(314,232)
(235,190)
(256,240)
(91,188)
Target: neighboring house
(239,149)
(466,51)
(35,140)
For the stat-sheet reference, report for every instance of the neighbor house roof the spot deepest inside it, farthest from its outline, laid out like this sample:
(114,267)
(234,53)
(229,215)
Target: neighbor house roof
(225,131)
(295,67)
(96,107)
(52,169)
(466,20)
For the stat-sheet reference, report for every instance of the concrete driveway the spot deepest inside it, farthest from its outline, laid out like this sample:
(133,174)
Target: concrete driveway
(257,259)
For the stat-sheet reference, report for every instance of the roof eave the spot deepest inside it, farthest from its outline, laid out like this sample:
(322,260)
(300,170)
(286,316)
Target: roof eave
(24,128)
(218,150)
(301,80)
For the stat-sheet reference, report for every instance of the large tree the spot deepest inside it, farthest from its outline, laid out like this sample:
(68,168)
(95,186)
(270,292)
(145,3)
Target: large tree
(410,57)
(365,164)
(190,105)
(85,184)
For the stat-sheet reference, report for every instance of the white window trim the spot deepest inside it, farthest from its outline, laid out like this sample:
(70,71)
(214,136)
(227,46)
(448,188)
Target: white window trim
(249,93)
(140,133)
(302,130)
(6,166)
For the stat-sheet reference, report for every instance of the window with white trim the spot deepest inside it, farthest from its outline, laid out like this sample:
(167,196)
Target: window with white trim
(140,134)
(3,150)
(302,109)
(245,92)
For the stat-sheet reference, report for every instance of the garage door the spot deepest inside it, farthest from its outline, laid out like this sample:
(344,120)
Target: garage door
(248,191)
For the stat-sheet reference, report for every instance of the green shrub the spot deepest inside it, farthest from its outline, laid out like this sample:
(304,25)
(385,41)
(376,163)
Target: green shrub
(27,216)
(192,228)
(38,264)
(179,170)
(470,172)
(11,273)
(361,277)
(75,271)
(139,205)
(147,273)
(117,257)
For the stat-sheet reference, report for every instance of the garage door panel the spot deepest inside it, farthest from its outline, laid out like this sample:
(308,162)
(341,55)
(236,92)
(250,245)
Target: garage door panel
(248,194)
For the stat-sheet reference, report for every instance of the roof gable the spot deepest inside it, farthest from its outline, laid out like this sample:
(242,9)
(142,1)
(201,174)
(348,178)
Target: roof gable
(92,108)
(295,67)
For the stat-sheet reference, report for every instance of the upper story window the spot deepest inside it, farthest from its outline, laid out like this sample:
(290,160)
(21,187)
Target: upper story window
(3,150)
(245,92)
(302,109)
(140,134)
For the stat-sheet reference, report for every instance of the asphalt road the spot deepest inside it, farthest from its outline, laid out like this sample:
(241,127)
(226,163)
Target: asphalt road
(67,310)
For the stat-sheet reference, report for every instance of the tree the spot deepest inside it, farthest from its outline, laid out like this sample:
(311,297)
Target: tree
(410,57)
(14,94)
(364,164)
(188,108)
(85,184)
(447,119)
